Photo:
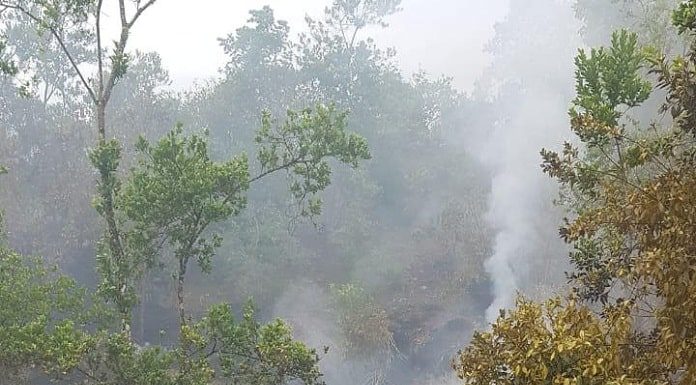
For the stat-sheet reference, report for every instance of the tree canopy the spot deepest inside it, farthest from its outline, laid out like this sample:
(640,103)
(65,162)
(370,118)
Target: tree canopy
(629,186)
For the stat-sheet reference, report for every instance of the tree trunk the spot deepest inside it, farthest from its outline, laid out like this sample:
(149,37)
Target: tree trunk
(143,304)
(180,293)
(114,235)
(101,121)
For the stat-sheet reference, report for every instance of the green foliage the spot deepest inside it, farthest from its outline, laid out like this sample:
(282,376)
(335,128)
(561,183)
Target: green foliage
(244,49)
(379,226)
(608,79)
(123,362)
(684,17)
(365,325)
(216,348)
(302,144)
(48,18)
(254,353)
(176,191)
(632,220)
(106,158)
(361,13)
(383,204)
(119,265)
(119,63)
(7,65)
(652,20)
(40,318)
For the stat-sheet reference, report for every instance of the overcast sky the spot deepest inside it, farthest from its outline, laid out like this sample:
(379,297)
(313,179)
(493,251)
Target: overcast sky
(440,36)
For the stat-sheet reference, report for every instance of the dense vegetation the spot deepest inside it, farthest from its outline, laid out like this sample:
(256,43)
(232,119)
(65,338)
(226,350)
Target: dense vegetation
(154,237)
(629,318)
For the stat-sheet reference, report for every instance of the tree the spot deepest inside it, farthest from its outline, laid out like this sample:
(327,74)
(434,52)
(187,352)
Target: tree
(366,229)
(385,227)
(7,66)
(631,195)
(552,343)
(651,19)
(41,322)
(348,17)
(57,19)
(366,330)
(172,197)
(177,191)
(142,222)
(42,319)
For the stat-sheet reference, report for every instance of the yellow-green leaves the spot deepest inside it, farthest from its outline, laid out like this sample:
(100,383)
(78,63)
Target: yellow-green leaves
(554,343)
(634,216)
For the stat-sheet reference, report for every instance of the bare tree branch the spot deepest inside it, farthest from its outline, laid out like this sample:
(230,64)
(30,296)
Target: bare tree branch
(118,52)
(59,39)
(121,45)
(140,11)
(100,59)
(122,11)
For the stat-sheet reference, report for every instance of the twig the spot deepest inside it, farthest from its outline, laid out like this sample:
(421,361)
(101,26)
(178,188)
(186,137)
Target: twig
(65,50)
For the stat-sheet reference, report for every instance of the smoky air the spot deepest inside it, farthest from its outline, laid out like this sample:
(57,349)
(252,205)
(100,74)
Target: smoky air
(343,192)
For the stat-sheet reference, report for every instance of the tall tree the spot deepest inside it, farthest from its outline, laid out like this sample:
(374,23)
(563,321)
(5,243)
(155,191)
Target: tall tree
(177,191)
(57,19)
(632,202)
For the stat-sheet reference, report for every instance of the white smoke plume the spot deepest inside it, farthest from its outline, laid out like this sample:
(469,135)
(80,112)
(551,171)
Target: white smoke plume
(531,84)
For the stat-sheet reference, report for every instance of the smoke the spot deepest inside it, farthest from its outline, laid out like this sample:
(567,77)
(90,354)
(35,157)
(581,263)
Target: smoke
(382,229)
(530,84)
(307,308)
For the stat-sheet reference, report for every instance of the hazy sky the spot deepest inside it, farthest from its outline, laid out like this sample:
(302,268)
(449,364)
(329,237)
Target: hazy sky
(440,36)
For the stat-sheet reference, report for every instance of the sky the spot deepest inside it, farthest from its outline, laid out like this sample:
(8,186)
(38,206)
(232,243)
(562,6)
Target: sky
(443,37)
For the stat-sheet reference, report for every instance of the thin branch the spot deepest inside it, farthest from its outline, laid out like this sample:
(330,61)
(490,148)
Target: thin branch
(120,48)
(121,45)
(140,12)
(213,350)
(352,39)
(122,11)
(278,168)
(100,60)
(87,374)
(55,34)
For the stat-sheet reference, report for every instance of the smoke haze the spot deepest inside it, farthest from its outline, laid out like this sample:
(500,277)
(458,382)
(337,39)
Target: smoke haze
(415,249)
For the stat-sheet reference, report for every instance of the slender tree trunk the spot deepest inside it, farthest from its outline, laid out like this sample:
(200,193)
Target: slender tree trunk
(114,234)
(141,310)
(101,120)
(180,292)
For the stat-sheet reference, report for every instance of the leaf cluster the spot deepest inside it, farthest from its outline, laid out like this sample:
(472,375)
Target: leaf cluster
(251,352)
(177,191)
(302,146)
(41,317)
